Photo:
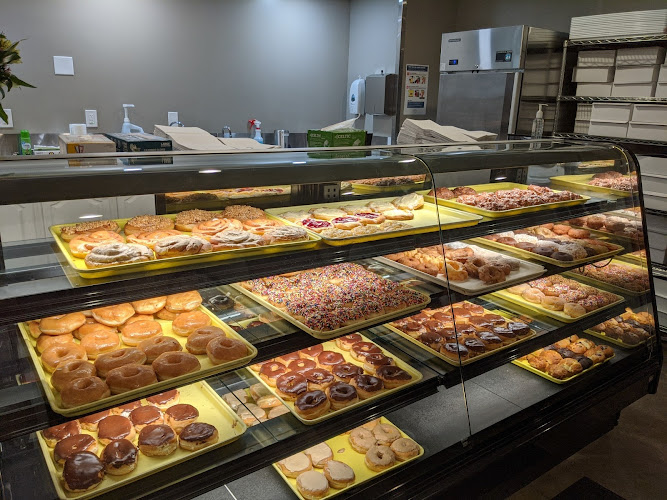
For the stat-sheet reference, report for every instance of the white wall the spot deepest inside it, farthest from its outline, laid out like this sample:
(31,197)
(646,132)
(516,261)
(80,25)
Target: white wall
(216,62)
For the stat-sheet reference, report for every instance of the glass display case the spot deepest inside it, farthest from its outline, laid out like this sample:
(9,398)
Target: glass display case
(458,301)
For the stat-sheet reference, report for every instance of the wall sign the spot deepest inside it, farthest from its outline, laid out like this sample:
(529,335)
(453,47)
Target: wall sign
(416,85)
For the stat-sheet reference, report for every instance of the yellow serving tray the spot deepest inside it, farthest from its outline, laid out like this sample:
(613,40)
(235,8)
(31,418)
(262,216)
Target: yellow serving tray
(580,181)
(497,186)
(331,346)
(369,188)
(608,286)
(526,366)
(635,259)
(339,331)
(343,452)
(469,360)
(79,265)
(207,369)
(560,263)
(559,315)
(212,410)
(604,337)
(428,219)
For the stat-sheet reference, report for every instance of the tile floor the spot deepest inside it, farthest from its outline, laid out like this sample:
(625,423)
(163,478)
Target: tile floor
(631,460)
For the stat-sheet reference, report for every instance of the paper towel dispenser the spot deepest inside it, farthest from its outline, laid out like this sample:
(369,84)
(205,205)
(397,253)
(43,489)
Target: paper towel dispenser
(381,94)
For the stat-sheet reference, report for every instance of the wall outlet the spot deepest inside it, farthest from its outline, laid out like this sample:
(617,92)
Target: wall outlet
(330,192)
(172,117)
(91,118)
(10,120)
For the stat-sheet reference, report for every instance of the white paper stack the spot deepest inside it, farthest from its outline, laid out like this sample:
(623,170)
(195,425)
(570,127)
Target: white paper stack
(619,24)
(429,132)
(197,139)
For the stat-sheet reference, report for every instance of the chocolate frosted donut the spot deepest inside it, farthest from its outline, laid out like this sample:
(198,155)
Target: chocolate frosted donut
(290,385)
(119,457)
(182,412)
(340,391)
(345,371)
(59,432)
(157,440)
(164,398)
(367,385)
(374,360)
(145,415)
(475,345)
(328,359)
(198,431)
(114,427)
(74,444)
(432,339)
(302,365)
(361,349)
(82,471)
(309,400)
(392,372)
(519,328)
(318,378)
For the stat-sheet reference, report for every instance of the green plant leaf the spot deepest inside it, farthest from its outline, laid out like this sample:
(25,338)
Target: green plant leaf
(9,84)
(2,91)
(20,83)
(3,115)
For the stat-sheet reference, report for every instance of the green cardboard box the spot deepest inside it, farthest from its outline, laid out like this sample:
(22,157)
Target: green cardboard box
(336,138)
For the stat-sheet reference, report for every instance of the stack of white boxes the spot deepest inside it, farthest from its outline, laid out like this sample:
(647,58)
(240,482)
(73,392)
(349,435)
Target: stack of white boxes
(594,73)
(582,120)
(637,71)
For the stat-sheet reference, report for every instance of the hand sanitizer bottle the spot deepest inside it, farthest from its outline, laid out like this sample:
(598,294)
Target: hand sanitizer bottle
(538,123)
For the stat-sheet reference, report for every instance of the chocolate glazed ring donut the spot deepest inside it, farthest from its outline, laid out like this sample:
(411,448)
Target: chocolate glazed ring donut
(340,391)
(291,385)
(345,371)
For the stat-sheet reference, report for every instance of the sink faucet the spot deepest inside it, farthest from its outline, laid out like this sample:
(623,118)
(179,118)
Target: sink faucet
(226,131)
(177,124)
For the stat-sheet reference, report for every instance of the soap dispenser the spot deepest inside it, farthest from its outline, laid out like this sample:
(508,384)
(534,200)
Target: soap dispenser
(256,125)
(538,123)
(129,128)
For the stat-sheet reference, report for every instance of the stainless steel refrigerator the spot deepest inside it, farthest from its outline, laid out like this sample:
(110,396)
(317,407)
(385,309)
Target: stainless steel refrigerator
(493,79)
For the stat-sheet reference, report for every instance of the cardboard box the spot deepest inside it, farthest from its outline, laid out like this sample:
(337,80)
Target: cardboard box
(584,111)
(649,113)
(594,89)
(336,138)
(608,129)
(640,55)
(136,143)
(633,90)
(597,58)
(87,144)
(592,74)
(581,126)
(611,111)
(637,74)
(647,131)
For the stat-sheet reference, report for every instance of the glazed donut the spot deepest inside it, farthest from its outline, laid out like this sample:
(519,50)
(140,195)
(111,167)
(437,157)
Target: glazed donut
(341,395)
(155,346)
(379,458)
(149,306)
(166,315)
(224,349)
(183,302)
(533,295)
(312,404)
(138,331)
(81,391)
(344,372)
(404,448)
(552,303)
(385,434)
(150,239)
(100,343)
(269,372)
(82,245)
(359,350)
(129,377)
(329,359)
(188,322)
(71,370)
(290,385)
(113,315)
(339,474)
(295,465)
(361,439)
(491,273)
(199,339)
(367,385)
(56,354)
(574,310)
(135,318)
(88,328)
(108,361)
(318,379)
(208,229)
(46,341)
(169,365)
(63,324)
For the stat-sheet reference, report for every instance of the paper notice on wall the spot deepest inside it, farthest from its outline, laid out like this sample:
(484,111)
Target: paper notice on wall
(416,85)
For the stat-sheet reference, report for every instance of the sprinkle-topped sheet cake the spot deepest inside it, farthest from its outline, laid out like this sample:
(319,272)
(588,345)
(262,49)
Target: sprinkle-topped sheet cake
(328,298)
